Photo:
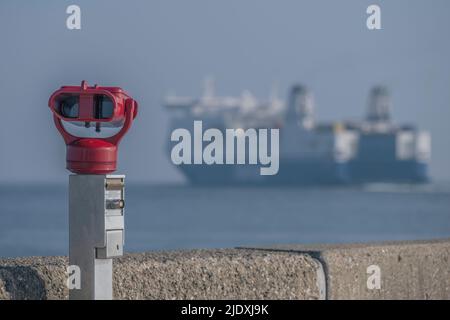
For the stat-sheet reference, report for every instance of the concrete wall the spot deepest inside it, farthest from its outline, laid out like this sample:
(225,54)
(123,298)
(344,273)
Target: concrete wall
(409,270)
(195,274)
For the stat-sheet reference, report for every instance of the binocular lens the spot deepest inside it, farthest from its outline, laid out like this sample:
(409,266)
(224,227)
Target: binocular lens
(68,107)
(104,107)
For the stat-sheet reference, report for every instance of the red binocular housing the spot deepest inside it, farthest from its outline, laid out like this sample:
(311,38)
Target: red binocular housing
(92,121)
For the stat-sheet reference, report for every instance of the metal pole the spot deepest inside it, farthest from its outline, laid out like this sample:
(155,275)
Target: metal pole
(96,232)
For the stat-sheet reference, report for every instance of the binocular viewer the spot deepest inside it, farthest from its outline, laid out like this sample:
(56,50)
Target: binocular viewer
(92,121)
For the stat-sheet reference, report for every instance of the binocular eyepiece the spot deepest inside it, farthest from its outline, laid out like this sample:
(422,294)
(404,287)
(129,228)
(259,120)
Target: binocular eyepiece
(69,107)
(77,109)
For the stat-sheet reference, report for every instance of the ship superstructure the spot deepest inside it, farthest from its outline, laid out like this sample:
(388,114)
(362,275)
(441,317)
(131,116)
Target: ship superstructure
(311,152)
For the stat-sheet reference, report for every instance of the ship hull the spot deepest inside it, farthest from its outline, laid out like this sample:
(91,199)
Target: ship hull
(290,173)
(390,171)
(308,173)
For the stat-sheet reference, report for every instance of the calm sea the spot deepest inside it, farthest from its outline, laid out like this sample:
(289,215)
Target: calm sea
(34,221)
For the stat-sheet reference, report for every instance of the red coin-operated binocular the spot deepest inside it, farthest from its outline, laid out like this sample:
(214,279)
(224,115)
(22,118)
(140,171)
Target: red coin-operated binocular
(92,121)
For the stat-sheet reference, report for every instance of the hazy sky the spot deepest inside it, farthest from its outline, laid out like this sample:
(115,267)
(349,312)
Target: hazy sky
(152,47)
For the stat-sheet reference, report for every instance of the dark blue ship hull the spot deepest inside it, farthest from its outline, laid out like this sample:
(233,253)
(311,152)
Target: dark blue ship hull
(309,173)
(389,171)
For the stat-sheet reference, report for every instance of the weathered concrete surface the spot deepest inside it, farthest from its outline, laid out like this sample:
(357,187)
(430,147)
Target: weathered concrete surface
(409,270)
(4,295)
(196,274)
(33,278)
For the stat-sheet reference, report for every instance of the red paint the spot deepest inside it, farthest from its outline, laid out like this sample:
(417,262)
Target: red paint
(93,155)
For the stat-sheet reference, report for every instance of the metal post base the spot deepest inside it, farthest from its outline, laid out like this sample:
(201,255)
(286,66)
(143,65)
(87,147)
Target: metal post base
(96,232)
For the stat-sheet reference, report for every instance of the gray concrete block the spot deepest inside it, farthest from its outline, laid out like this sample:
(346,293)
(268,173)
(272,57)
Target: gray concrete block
(33,278)
(194,274)
(409,270)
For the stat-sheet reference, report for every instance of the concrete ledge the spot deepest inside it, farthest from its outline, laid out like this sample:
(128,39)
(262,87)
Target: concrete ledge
(408,270)
(196,274)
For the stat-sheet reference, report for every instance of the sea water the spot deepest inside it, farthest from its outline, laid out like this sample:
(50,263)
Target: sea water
(34,218)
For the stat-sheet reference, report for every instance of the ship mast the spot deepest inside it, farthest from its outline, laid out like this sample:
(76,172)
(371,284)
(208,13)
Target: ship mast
(379,106)
(301,107)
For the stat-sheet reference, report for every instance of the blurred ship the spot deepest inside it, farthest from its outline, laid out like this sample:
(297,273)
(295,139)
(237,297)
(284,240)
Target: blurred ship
(374,150)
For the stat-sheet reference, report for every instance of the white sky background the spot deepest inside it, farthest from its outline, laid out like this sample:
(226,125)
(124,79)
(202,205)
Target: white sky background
(152,47)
